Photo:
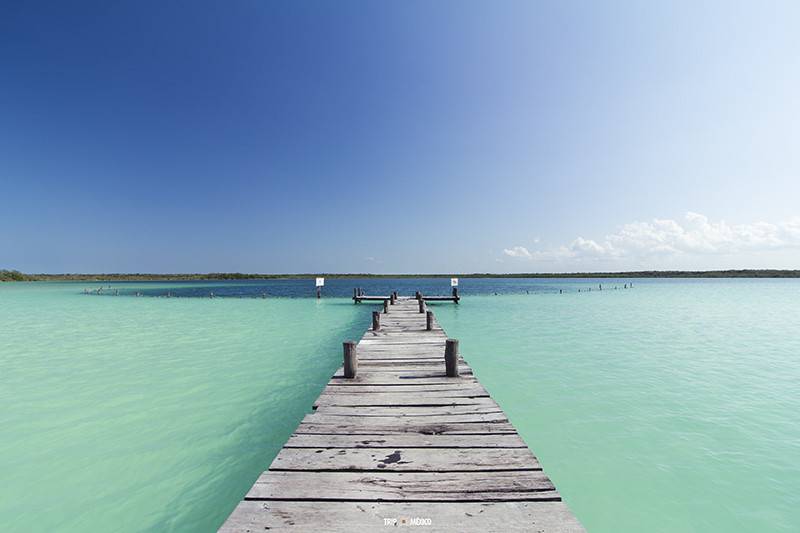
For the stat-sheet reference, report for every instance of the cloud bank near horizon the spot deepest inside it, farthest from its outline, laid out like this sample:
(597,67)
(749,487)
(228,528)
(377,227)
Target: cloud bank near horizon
(665,239)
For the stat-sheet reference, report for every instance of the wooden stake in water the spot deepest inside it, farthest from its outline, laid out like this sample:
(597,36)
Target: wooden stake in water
(451,358)
(350,359)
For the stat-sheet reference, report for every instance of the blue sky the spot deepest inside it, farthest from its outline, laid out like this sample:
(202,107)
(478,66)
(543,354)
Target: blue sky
(398,137)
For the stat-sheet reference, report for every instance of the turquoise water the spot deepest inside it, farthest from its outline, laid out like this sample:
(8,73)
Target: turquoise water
(673,406)
(150,414)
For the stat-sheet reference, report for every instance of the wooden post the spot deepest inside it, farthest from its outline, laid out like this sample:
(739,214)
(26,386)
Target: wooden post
(429,320)
(319,292)
(376,321)
(391,299)
(355,295)
(455,294)
(451,358)
(395,295)
(417,295)
(421,305)
(350,359)
(386,306)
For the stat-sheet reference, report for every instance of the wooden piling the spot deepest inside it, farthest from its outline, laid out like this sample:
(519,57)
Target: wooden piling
(421,305)
(386,306)
(376,321)
(428,320)
(451,358)
(350,359)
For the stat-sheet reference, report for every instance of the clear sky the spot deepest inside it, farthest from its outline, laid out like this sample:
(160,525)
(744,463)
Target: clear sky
(412,136)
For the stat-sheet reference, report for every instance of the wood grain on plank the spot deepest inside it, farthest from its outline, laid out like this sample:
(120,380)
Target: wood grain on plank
(409,459)
(404,486)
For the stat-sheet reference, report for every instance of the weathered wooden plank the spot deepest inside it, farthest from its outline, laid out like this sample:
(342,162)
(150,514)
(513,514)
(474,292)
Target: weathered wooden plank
(467,389)
(405,459)
(409,377)
(322,425)
(414,399)
(402,359)
(321,417)
(346,517)
(405,440)
(479,406)
(404,486)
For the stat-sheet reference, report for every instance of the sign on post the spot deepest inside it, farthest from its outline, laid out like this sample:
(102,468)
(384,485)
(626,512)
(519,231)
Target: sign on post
(454,282)
(320,282)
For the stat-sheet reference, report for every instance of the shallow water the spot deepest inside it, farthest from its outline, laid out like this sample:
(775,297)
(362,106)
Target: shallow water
(673,406)
(150,414)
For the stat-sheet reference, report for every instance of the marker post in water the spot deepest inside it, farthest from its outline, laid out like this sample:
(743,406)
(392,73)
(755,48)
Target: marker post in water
(320,284)
(454,285)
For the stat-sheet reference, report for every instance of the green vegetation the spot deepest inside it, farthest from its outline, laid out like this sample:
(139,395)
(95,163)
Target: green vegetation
(14,275)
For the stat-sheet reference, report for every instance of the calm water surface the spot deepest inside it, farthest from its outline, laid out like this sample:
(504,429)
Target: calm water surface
(672,406)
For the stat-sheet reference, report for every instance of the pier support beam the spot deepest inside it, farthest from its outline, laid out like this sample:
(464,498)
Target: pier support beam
(429,320)
(451,358)
(376,321)
(421,305)
(350,359)
(386,306)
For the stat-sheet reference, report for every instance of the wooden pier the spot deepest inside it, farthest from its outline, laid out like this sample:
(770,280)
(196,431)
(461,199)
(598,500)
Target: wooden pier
(402,444)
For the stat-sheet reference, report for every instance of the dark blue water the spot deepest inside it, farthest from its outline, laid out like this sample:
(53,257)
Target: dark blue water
(338,288)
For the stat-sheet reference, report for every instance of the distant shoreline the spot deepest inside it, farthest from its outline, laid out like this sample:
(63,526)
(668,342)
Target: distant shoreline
(13,275)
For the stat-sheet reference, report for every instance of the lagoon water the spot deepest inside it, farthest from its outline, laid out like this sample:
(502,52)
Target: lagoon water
(672,406)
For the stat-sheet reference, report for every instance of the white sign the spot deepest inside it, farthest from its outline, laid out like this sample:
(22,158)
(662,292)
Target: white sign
(454,282)
(320,282)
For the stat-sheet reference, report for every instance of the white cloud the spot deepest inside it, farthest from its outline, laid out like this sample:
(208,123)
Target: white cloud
(518,251)
(695,235)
